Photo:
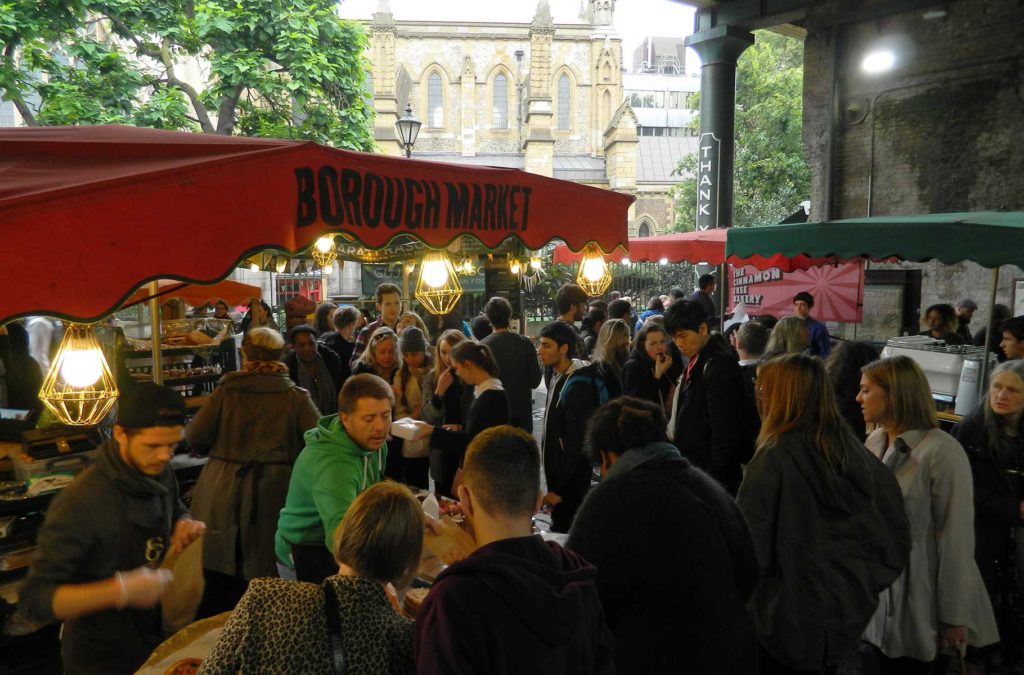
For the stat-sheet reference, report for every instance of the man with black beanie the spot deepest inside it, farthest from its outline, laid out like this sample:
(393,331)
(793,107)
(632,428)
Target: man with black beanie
(105,536)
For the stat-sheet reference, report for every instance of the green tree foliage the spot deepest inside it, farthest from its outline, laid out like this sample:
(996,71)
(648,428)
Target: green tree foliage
(771,174)
(276,68)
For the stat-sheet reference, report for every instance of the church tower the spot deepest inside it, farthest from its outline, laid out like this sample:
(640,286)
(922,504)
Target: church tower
(383,35)
(539,146)
(606,69)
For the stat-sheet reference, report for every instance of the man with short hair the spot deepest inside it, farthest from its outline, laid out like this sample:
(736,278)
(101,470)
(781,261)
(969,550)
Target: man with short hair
(570,403)
(518,368)
(818,339)
(105,536)
(342,340)
(676,294)
(965,310)
(706,285)
(315,368)
(571,304)
(1012,342)
(518,604)
(344,455)
(655,307)
(389,306)
(714,423)
(751,341)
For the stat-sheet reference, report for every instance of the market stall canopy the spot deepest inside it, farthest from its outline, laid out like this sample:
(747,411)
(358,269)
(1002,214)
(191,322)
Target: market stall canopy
(197,295)
(989,238)
(90,213)
(707,246)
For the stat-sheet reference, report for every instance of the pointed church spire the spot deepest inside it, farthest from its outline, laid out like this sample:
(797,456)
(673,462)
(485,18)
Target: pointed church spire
(542,19)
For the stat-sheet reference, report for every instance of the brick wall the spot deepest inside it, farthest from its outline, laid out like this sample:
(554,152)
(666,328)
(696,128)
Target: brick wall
(942,132)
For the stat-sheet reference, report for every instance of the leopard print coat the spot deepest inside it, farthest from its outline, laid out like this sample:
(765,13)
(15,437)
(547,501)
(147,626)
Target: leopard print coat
(279,627)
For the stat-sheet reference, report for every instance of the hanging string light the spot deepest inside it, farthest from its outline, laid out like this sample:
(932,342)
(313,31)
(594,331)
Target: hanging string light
(324,251)
(438,288)
(593,276)
(79,388)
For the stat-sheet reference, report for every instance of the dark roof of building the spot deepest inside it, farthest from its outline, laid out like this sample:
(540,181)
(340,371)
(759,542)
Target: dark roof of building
(658,156)
(579,168)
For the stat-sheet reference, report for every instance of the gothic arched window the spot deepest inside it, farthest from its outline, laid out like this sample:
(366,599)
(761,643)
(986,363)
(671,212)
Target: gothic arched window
(499,102)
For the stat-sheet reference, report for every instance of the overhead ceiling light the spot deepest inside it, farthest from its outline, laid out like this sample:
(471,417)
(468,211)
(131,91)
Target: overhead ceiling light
(79,388)
(878,61)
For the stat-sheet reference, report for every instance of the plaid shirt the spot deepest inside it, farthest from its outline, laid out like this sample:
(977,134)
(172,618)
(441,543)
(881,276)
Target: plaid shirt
(363,339)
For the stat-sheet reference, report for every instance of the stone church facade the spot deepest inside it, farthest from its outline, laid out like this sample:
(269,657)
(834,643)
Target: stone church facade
(543,97)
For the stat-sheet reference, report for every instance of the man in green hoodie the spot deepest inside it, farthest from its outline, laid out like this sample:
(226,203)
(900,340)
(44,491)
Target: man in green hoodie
(344,455)
(105,536)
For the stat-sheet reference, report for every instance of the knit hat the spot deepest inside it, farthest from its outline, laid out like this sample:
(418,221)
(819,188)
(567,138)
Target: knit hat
(150,405)
(412,341)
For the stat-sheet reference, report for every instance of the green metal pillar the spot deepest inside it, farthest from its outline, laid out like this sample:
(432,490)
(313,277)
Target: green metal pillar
(719,48)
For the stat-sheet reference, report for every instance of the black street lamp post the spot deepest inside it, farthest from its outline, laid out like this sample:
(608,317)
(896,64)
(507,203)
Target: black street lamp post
(408,129)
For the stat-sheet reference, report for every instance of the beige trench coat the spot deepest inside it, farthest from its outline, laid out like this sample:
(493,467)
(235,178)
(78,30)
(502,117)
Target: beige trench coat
(942,583)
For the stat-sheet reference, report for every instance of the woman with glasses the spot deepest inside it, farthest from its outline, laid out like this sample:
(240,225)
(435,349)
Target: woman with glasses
(939,602)
(826,518)
(994,440)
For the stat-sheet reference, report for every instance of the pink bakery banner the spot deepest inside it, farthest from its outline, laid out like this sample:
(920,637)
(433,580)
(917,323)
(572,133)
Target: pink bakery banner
(838,290)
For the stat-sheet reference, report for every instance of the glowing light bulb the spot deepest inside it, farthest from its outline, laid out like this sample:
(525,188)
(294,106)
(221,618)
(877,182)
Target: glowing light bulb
(535,263)
(878,61)
(327,269)
(435,274)
(626,262)
(663,261)
(516,267)
(82,368)
(253,267)
(594,269)
(324,244)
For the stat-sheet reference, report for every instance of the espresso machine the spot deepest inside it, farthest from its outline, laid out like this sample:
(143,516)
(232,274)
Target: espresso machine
(953,371)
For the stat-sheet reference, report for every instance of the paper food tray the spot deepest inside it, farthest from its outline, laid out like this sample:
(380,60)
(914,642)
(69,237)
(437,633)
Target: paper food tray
(404,428)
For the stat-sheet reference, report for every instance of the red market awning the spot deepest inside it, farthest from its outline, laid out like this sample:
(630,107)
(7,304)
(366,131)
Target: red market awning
(707,246)
(234,293)
(87,214)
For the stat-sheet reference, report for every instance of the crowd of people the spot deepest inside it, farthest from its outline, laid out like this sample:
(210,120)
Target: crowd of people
(758,500)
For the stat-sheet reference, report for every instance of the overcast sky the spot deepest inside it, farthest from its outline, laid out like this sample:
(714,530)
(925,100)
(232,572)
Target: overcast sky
(634,19)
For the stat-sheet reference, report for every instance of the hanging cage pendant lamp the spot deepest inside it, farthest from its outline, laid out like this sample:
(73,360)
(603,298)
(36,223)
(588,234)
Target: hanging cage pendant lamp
(593,277)
(438,288)
(79,388)
(324,251)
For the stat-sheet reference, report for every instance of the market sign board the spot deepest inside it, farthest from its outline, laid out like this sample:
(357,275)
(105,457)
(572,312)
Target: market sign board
(709,159)
(838,290)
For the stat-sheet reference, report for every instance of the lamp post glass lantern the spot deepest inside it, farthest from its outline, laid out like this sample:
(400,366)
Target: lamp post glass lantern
(408,129)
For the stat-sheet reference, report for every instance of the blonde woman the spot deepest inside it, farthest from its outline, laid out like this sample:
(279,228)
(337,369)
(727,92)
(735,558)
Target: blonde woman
(940,600)
(611,353)
(408,319)
(290,627)
(788,337)
(826,518)
(380,357)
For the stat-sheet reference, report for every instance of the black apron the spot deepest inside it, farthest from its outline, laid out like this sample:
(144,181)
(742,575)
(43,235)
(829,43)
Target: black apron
(119,641)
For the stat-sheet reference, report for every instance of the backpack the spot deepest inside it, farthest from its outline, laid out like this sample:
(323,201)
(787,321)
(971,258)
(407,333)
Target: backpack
(588,374)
